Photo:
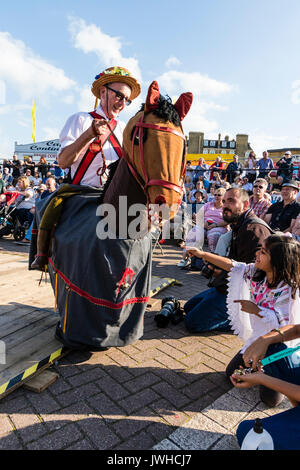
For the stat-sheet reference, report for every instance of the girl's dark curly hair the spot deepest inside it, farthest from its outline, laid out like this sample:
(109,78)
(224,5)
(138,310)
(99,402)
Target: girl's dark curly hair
(285,261)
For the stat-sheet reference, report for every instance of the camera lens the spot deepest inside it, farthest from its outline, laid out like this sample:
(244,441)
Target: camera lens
(169,309)
(206,271)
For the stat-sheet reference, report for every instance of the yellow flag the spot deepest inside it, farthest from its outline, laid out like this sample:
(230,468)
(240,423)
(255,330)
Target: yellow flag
(33,121)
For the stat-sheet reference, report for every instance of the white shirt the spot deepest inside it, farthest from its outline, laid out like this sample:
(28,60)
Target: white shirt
(247,187)
(74,127)
(28,202)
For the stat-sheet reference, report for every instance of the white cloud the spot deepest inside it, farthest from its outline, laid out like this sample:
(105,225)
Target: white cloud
(172,62)
(50,133)
(198,84)
(28,74)
(295,98)
(197,121)
(260,142)
(90,38)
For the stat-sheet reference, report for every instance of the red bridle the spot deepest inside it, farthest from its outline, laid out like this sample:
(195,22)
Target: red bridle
(140,125)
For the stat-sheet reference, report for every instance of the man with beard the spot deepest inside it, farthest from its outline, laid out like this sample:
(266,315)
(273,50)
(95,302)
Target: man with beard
(207,311)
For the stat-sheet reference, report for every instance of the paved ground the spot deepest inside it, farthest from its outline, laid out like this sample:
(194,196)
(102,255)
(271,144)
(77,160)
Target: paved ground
(165,391)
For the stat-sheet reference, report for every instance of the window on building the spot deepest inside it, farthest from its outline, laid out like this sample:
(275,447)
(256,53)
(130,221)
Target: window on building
(232,144)
(211,150)
(205,150)
(205,143)
(212,143)
(224,143)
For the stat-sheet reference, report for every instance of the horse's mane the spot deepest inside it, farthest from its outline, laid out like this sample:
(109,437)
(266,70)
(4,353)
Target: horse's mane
(165,110)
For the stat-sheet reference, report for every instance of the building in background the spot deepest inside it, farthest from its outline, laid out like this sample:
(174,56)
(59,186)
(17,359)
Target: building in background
(209,149)
(48,149)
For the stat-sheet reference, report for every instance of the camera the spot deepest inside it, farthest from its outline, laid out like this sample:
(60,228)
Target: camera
(170,311)
(206,271)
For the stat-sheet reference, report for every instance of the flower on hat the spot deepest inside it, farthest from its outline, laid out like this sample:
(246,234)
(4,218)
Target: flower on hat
(114,71)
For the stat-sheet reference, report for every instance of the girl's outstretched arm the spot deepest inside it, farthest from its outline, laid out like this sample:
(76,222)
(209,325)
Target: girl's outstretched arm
(216,260)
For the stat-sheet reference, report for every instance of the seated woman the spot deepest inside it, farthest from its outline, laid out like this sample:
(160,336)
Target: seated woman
(282,376)
(25,201)
(269,290)
(214,224)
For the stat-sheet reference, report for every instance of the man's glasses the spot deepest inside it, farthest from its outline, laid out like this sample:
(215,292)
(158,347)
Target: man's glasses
(258,186)
(119,95)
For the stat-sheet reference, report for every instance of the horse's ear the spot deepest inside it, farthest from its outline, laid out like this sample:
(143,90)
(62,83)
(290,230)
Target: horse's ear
(152,97)
(183,104)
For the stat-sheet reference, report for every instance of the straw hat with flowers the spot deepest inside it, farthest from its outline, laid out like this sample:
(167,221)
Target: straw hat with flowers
(116,74)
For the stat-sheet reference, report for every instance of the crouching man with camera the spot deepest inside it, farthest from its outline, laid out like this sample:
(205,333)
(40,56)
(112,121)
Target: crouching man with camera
(207,311)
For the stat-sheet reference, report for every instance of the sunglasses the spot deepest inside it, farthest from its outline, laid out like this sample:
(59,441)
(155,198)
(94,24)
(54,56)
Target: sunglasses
(258,186)
(119,96)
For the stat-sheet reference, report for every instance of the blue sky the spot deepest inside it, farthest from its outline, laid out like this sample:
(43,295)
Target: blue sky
(240,58)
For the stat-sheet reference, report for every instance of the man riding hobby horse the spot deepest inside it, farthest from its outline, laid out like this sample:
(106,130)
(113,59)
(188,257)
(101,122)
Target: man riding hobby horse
(101,283)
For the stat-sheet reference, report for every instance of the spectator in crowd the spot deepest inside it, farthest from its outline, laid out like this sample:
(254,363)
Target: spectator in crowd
(29,165)
(265,165)
(216,167)
(25,201)
(42,187)
(200,170)
(246,185)
(6,164)
(250,167)
(50,185)
(16,167)
(37,179)
(29,176)
(206,183)
(258,203)
(295,228)
(58,172)
(237,183)
(42,167)
(2,184)
(234,169)
(281,214)
(207,311)
(285,166)
(199,187)
(198,202)
(188,183)
(189,170)
(7,177)
(48,174)
(214,225)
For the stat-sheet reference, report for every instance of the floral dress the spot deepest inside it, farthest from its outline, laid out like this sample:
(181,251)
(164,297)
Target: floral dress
(277,308)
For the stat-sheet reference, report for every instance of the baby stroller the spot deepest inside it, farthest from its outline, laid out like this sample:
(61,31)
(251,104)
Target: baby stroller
(9,223)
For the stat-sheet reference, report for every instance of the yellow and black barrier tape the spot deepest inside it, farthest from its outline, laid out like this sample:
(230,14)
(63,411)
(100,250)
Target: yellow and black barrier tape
(12,383)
